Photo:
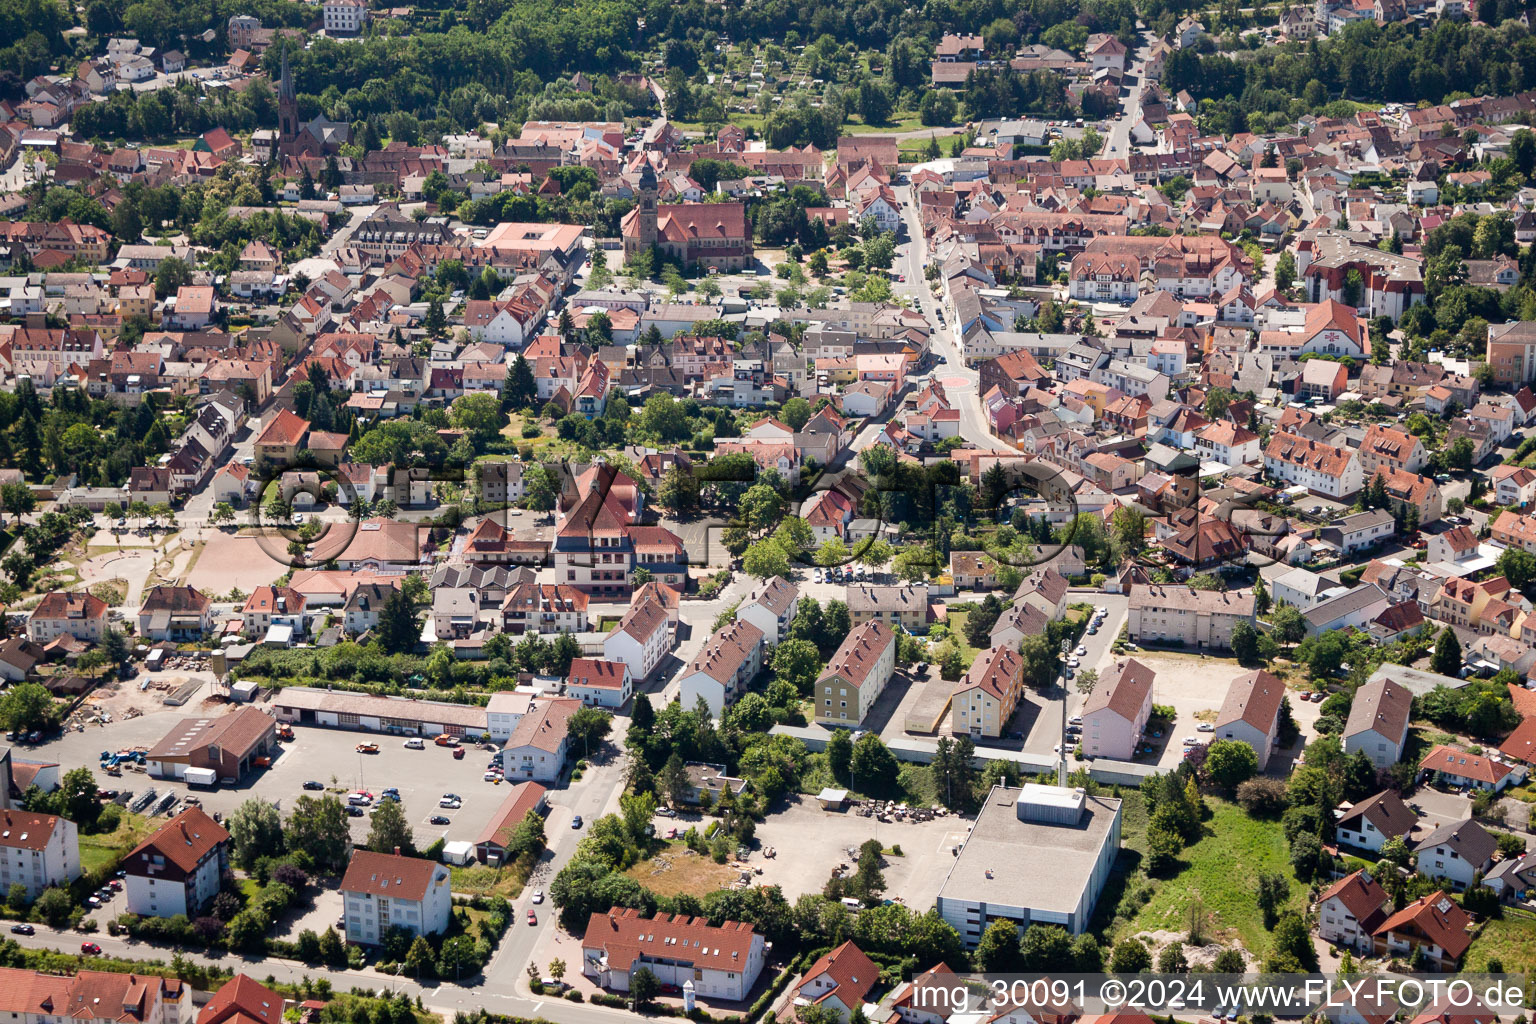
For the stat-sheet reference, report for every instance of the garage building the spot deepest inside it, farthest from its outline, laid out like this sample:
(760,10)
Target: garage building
(228,745)
(399,716)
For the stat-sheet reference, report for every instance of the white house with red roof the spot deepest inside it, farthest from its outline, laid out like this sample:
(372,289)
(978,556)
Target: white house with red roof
(180,868)
(838,982)
(37,851)
(721,962)
(1459,768)
(1350,911)
(381,891)
(599,683)
(641,639)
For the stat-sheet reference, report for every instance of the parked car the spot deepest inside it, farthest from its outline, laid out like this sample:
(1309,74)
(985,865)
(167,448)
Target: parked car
(1205,727)
(439,819)
(314,784)
(452,805)
(458,753)
(354,811)
(415,743)
(367,748)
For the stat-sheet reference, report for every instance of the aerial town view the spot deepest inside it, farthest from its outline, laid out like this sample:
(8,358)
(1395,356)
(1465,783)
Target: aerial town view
(514,513)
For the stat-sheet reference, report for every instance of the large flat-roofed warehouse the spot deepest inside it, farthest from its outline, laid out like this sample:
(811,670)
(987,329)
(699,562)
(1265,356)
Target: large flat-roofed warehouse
(1036,855)
(228,744)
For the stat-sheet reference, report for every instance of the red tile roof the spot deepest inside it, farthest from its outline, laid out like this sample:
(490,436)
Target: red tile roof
(388,874)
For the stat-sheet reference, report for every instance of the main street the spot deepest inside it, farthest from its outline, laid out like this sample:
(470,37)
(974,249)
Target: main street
(960,382)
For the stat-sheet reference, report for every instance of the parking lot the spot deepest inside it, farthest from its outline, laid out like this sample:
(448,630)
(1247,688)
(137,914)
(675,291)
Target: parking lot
(327,756)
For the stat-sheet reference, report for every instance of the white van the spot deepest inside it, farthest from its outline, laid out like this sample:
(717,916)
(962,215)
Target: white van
(415,743)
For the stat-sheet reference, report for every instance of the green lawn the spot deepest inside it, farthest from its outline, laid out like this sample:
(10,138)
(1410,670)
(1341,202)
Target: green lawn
(1510,939)
(1221,871)
(99,854)
(956,623)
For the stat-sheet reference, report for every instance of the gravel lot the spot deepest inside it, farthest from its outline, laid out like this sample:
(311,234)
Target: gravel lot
(810,842)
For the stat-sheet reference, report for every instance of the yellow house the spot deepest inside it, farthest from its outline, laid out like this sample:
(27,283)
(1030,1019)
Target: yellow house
(986,696)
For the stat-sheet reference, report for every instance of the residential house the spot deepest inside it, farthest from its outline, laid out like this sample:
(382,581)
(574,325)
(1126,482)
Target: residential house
(1378,721)
(1251,713)
(1458,852)
(722,669)
(1117,710)
(986,697)
(1368,825)
(599,683)
(37,851)
(180,868)
(1350,910)
(771,607)
(856,675)
(721,962)
(1184,616)
(381,891)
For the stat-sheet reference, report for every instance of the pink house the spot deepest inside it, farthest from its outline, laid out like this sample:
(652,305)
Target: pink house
(1118,710)
(1001,413)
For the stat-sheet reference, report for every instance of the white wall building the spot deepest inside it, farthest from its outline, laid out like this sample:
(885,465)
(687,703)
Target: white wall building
(384,890)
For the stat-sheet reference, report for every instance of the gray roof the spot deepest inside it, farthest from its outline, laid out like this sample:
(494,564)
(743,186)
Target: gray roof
(1363,596)
(1060,859)
(1469,840)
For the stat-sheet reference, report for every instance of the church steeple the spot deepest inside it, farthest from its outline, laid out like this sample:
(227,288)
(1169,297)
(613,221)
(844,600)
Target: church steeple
(287,103)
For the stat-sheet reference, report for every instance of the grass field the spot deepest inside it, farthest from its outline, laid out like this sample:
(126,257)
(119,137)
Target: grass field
(1221,871)
(1510,940)
(678,869)
(483,880)
(99,854)
(956,623)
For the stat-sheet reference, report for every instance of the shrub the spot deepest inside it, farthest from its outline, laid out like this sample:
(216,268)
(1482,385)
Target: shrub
(574,996)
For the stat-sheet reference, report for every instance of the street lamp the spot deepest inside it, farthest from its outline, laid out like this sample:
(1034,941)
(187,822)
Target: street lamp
(1061,764)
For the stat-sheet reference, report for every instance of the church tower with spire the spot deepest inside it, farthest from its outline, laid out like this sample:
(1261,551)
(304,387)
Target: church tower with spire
(287,106)
(646,193)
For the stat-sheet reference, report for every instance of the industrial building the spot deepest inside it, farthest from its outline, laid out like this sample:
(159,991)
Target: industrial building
(1036,855)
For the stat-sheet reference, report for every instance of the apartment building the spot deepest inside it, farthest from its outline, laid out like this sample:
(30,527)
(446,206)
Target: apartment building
(856,675)
(381,891)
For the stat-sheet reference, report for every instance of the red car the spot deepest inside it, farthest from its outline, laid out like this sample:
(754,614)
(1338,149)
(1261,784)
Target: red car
(90,949)
(532,917)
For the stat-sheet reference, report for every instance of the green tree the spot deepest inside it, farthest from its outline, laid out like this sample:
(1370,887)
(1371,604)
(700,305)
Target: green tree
(1446,660)
(1290,625)
(1130,957)
(1229,763)
(766,558)
(318,826)
(255,831)
(998,951)
(873,767)
(1245,642)
(589,726)
(840,754)
(519,391)
(643,987)
(78,797)
(797,663)
(389,831)
(27,706)
(54,906)
(397,630)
